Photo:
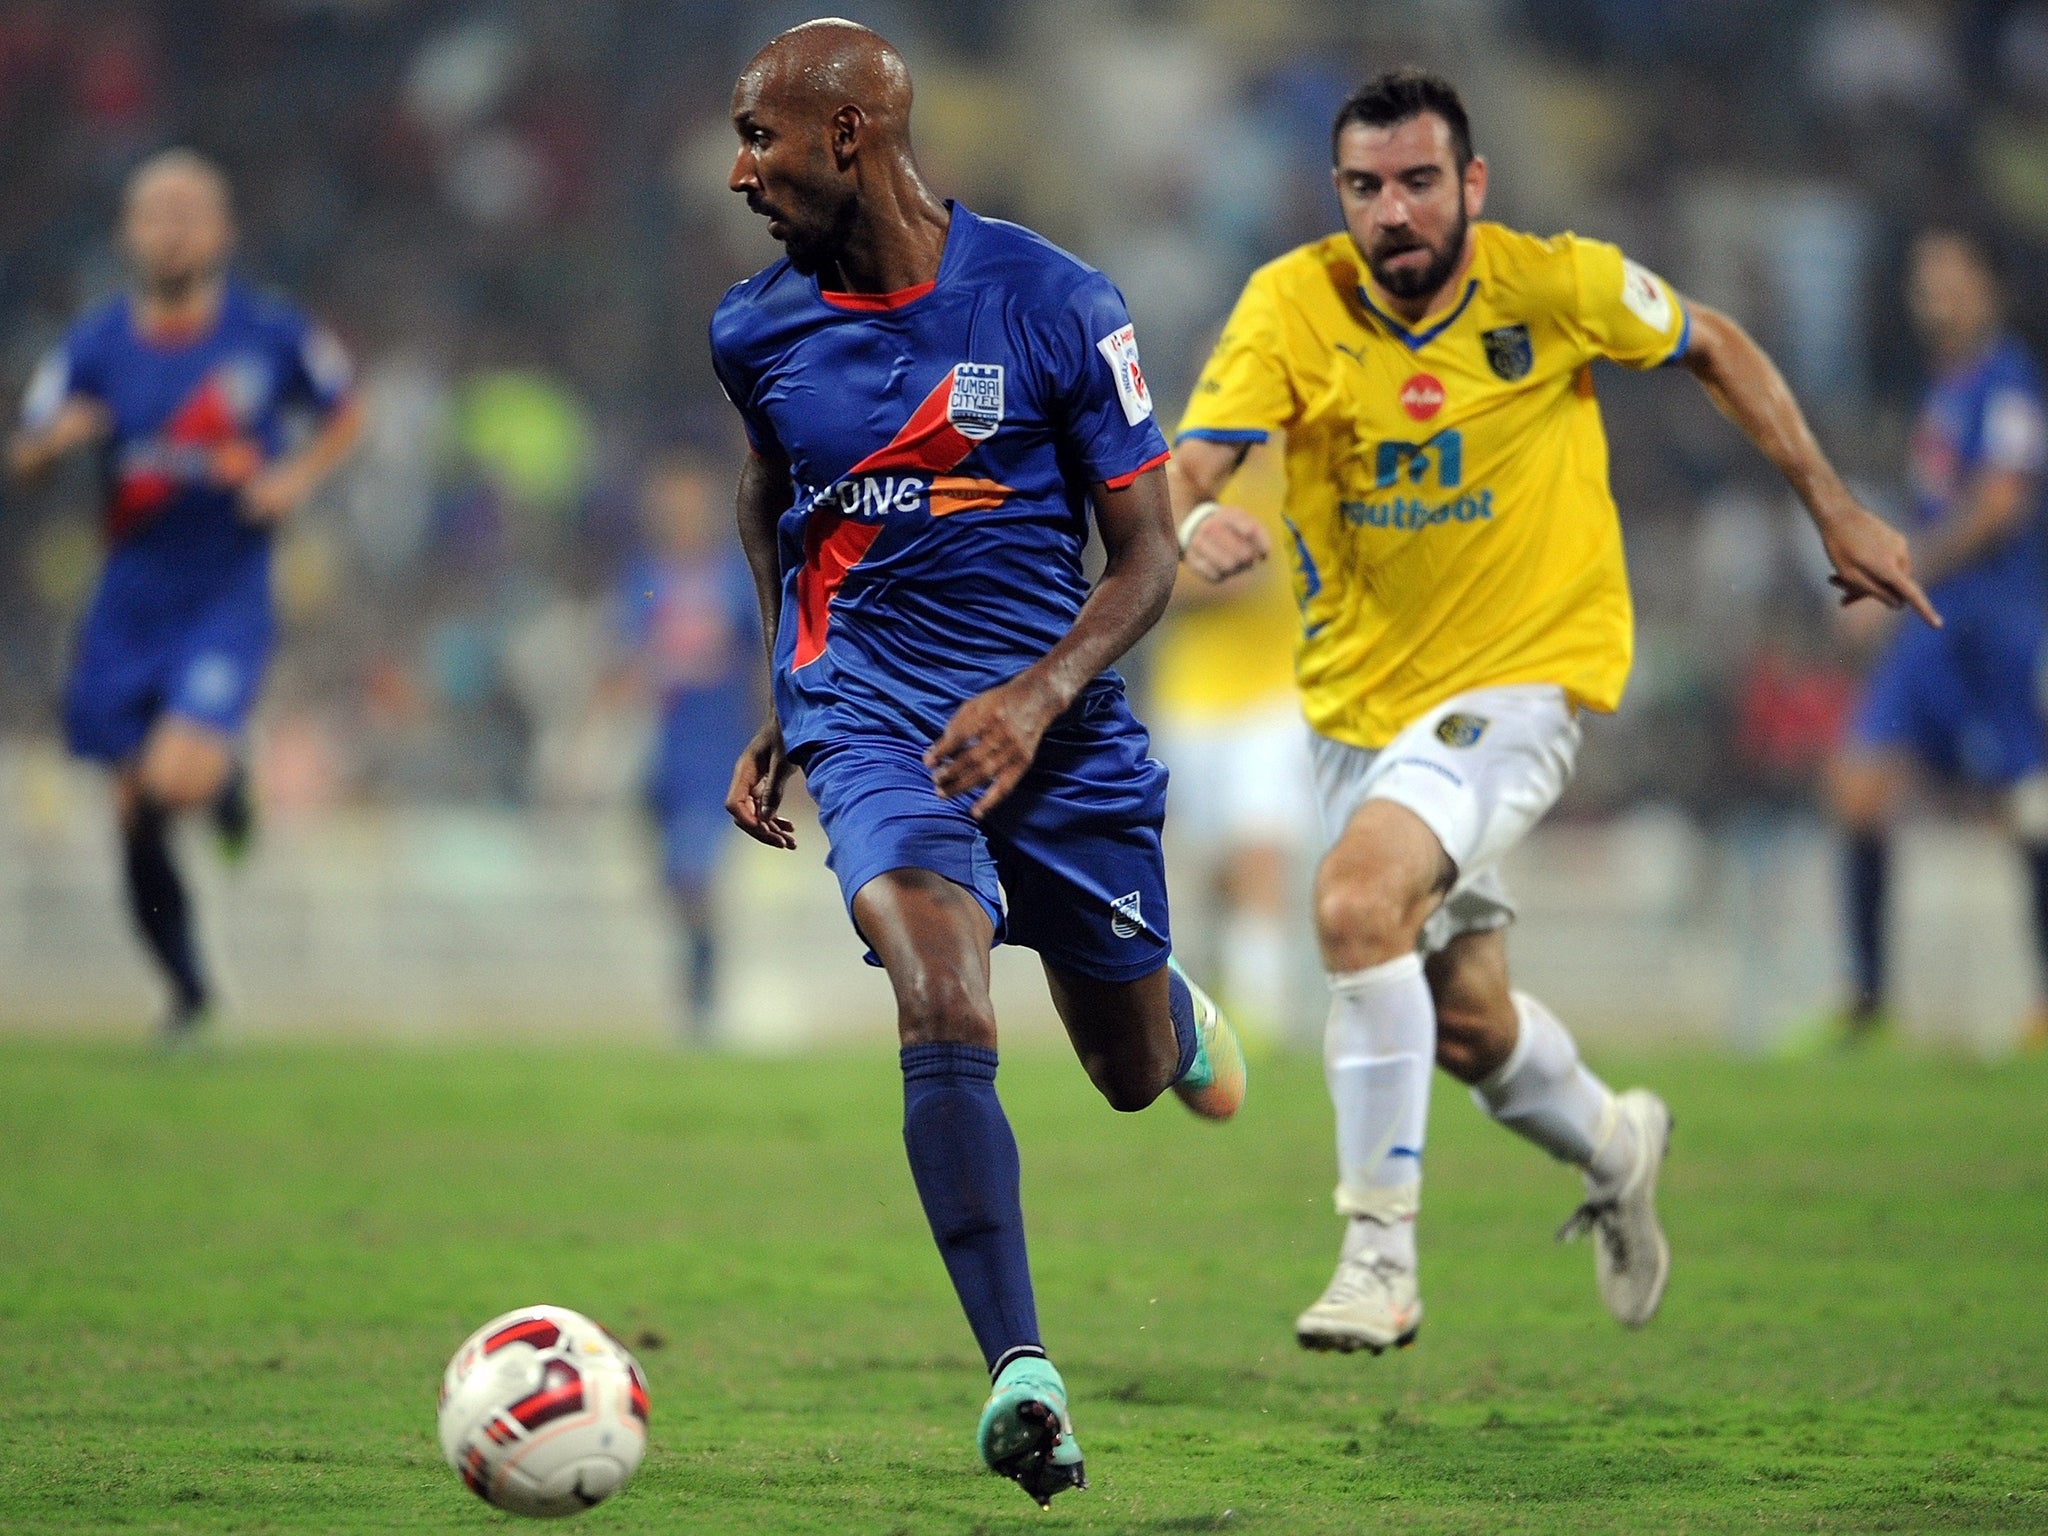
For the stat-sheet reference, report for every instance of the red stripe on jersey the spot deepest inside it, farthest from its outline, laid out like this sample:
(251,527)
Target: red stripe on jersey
(205,417)
(928,441)
(1123,482)
(833,545)
(875,301)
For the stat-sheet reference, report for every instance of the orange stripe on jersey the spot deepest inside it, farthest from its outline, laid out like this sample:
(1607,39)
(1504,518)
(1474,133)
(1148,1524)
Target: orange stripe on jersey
(962,493)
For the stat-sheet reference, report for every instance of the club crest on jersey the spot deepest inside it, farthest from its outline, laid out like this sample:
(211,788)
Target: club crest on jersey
(1120,350)
(1422,396)
(1457,730)
(1124,917)
(975,408)
(1508,351)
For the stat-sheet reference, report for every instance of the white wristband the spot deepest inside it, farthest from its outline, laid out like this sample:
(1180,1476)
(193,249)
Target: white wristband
(1194,520)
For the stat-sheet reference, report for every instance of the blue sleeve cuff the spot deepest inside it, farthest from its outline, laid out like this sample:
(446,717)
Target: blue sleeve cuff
(1224,435)
(1684,337)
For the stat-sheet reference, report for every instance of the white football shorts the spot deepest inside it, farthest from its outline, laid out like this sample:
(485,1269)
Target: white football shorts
(1480,769)
(1239,781)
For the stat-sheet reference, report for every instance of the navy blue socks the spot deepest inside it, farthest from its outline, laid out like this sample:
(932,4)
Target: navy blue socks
(1180,1006)
(964,1160)
(157,897)
(1868,871)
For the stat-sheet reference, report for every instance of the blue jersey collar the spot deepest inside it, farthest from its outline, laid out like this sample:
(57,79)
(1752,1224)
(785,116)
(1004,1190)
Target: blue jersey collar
(1416,340)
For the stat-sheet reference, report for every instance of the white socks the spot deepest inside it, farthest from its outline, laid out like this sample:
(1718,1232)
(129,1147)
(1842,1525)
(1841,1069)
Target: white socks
(1379,1050)
(1544,1092)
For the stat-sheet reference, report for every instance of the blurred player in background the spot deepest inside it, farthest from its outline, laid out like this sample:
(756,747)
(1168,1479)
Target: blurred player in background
(182,388)
(1458,565)
(936,402)
(1964,701)
(694,628)
(1227,724)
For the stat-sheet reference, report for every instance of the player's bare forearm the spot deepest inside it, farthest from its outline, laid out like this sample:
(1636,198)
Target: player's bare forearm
(1226,543)
(1996,509)
(283,487)
(1198,471)
(1870,557)
(1747,388)
(991,739)
(78,423)
(764,493)
(754,798)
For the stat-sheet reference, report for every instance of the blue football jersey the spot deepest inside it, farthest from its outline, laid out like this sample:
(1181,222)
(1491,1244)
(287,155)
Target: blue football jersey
(942,442)
(193,418)
(1986,415)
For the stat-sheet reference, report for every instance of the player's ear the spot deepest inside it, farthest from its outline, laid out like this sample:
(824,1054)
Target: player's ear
(849,126)
(1475,186)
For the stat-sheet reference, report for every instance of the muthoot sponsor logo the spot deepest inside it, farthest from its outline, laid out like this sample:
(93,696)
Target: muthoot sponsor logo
(1412,513)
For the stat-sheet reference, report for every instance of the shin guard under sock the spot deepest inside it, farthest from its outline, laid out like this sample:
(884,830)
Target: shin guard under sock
(964,1161)
(156,896)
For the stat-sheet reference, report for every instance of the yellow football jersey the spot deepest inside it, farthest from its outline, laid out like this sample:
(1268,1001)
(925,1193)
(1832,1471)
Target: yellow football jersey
(1448,514)
(1216,661)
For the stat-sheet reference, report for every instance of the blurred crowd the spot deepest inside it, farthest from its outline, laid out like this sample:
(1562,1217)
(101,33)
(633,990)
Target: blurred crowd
(515,214)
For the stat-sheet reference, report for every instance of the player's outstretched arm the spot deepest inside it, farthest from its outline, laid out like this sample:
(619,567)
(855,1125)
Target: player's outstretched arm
(78,423)
(758,778)
(1994,511)
(1217,542)
(276,492)
(1869,555)
(992,738)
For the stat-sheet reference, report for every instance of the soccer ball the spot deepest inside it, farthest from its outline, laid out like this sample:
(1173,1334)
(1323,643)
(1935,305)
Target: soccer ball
(543,1412)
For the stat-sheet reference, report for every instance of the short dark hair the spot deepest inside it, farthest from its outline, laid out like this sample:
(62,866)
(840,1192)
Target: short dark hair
(1400,94)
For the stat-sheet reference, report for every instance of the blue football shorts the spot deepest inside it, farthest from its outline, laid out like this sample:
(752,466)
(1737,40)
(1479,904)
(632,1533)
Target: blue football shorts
(1069,865)
(128,674)
(1964,700)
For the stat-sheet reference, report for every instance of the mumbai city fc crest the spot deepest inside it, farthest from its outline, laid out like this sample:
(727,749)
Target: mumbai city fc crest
(1461,730)
(1508,351)
(976,406)
(1124,918)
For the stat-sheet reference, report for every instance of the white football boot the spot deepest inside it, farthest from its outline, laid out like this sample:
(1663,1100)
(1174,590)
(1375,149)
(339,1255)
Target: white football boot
(1371,1303)
(1630,1257)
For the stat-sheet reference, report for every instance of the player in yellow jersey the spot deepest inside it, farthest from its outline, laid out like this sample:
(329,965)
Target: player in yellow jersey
(1226,722)
(1462,599)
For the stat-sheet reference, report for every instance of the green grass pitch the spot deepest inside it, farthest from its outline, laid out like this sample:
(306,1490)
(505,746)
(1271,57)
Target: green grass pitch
(228,1286)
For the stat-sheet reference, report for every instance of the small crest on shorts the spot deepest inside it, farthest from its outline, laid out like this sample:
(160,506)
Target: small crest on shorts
(1125,920)
(212,681)
(1456,730)
(976,407)
(1509,351)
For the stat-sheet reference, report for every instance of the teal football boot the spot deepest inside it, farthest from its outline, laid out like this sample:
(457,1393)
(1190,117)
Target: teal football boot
(1025,1432)
(1213,1086)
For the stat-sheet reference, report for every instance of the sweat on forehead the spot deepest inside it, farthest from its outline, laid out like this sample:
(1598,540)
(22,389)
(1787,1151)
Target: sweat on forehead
(828,63)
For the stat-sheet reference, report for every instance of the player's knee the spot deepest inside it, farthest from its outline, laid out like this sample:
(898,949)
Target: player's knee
(1861,795)
(934,1007)
(181,777)
(1362,920)
(1127,1091)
